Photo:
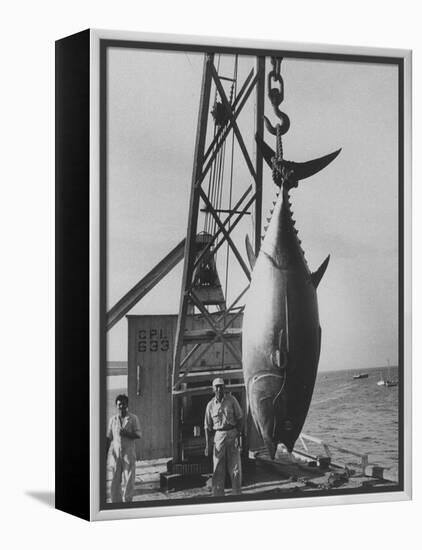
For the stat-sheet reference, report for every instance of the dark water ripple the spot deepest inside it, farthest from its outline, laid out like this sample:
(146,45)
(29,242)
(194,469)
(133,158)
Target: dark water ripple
(357,415)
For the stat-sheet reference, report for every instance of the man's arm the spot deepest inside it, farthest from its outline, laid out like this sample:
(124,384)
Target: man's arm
(207,441)
(208,431)
(109,436)
(135,430)
(129,434)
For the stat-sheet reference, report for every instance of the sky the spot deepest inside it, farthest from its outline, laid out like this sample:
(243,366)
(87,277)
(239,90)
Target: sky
(349,210)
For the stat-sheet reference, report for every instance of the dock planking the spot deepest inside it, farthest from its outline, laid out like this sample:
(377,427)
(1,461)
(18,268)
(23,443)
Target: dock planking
(282,477)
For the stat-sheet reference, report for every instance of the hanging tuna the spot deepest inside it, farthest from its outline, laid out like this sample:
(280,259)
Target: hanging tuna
(281,328)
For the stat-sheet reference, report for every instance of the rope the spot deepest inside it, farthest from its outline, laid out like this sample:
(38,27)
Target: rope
(233,94)
(217,171)
(211,179)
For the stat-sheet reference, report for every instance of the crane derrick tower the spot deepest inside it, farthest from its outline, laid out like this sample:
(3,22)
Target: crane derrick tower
(204,341)
(205,319)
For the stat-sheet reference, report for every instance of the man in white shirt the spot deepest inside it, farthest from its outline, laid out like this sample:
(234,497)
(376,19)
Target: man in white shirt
(224,416)
(123,430)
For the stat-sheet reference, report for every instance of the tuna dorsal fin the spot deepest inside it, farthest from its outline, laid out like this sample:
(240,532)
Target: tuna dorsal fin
(250,252)
(317,275)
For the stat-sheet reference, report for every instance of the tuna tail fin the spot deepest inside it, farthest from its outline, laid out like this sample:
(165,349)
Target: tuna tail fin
(301,170)
(250,252)
(319,273)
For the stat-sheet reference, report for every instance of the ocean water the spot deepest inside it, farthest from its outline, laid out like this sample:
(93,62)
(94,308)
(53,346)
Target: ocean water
(357,415)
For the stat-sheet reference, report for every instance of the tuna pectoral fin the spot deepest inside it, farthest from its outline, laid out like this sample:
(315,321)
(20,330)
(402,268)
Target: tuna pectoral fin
(279,355)
(250,252)
(318,274)
(301,170)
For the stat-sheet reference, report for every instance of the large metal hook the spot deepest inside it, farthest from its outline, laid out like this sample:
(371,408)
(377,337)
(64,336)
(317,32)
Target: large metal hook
(280,128)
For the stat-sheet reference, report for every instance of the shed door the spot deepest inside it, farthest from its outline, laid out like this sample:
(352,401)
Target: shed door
(149,382)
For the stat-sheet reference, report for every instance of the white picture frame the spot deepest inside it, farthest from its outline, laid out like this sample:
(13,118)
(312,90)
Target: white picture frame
(94,50)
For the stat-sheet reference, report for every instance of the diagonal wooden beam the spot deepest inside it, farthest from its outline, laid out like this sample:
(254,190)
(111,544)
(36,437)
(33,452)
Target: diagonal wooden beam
(189,355)
(226,129)
(226,221)
(232,319)
(236,130)
(190,242)
(203,352)
(147,283)
(226,234)
(233,304)
(231,228)
(219,332)
(220,318)
(217,144)
(204,311)
(236,221)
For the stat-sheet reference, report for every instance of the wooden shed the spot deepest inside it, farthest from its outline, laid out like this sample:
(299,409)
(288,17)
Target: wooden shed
(150,355)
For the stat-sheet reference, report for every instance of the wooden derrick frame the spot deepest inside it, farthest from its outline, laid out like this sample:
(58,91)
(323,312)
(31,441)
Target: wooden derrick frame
(203,160)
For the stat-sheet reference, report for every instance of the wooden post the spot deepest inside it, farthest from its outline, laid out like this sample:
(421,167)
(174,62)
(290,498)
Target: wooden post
(190,247)
(303,443)
(202,163)
(365,462)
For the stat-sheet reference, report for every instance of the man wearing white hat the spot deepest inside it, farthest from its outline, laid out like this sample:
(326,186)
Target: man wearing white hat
(224,416)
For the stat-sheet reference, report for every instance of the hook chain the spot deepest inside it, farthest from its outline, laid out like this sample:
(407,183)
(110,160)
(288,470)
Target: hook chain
(275,86)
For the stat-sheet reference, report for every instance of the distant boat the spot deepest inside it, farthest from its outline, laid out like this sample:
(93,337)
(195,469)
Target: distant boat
(387,382)
(360,375)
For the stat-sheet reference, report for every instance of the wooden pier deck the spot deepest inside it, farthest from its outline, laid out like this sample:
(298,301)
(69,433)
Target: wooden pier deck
(280,477)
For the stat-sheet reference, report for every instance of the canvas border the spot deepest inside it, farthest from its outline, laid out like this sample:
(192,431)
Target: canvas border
(103,38)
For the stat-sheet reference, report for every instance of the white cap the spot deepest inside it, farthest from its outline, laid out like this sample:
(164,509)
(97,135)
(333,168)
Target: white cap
(217,382)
